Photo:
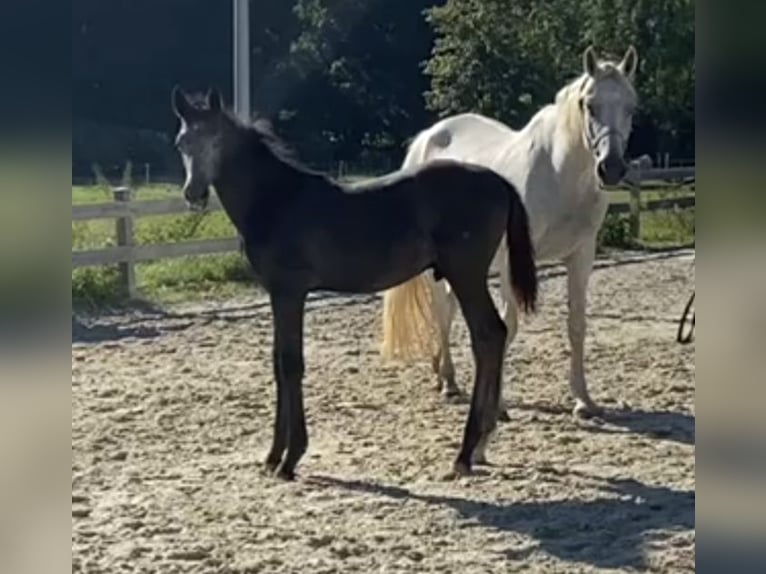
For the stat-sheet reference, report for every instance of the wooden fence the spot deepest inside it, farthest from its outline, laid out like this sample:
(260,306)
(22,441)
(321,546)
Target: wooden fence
(126,253)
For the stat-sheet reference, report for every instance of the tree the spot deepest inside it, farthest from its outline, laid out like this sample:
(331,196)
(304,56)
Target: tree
(507,59)
(127,55)
(359,68)
(498,58)
(344,78)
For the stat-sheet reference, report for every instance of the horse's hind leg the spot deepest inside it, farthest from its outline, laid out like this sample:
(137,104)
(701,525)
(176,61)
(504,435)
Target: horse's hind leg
(488,334)
(509,313)
(443,307)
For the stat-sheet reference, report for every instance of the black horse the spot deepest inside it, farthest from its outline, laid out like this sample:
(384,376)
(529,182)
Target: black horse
(303,231)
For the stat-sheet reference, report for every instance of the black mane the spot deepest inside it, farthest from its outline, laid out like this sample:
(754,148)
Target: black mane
(262,131)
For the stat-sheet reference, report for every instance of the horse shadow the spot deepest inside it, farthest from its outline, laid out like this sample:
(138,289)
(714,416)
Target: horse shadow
(94,332)
(607,532)
(668,425)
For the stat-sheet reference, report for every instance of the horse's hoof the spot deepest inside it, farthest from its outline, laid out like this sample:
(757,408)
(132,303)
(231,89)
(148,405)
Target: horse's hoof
(481,459)
(284,473)
(503,416)
(452,396)
(461,469)
(583,410)
(271,463)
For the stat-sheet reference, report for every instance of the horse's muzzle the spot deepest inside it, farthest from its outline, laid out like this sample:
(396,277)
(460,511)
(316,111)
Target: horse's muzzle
(196,199)
(611,170)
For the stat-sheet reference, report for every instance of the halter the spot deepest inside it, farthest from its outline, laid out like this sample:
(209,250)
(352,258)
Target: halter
(605,133)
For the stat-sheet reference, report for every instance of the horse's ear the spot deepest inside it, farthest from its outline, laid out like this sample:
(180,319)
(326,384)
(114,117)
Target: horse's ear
(181,106)
(629,63)
(589,61)
(214,100)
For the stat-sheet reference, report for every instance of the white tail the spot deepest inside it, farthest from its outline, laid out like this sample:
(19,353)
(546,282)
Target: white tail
(409,327)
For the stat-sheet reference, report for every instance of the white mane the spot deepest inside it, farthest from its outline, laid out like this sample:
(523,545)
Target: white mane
(569,112)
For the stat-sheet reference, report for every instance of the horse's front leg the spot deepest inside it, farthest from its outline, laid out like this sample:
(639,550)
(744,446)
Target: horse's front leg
(279,442)
(510,318)
(288,311)
(579,266)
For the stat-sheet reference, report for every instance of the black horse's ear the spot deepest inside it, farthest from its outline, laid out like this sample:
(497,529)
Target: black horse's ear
(214,100)
(181,106)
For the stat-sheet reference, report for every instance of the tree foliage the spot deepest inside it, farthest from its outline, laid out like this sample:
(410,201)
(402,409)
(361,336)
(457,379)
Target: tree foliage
(346,78)
(506,59)
(362,61)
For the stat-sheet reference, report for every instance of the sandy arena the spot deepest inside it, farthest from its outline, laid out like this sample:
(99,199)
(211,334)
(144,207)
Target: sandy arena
(172,415)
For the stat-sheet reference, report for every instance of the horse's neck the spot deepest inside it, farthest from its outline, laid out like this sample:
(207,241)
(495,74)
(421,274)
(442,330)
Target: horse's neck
(241,186)
(255,185)
(571,162)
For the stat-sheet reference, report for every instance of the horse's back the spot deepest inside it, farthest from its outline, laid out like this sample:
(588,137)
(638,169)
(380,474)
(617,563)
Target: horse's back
(443,189)
(463,137)
(471,125)
(439,176)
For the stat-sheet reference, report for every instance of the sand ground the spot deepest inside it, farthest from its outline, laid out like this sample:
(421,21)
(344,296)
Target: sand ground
(172,415)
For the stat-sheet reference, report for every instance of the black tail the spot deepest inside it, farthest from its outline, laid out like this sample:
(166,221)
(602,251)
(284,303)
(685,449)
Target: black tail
(521,256)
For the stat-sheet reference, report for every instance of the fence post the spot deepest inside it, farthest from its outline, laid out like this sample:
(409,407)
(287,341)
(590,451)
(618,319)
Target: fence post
(124,229)
(635,206)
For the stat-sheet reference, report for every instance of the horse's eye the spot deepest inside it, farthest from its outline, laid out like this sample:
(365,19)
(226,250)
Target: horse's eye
(590,106)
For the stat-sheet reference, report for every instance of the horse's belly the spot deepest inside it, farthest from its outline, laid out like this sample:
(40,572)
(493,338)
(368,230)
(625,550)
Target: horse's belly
(352,269)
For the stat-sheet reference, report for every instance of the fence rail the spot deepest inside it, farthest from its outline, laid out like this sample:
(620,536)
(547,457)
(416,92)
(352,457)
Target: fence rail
(124,210)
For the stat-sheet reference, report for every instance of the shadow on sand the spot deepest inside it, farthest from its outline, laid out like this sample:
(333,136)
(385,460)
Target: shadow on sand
(83,332)
(100,327)
(668,425)
(606,532)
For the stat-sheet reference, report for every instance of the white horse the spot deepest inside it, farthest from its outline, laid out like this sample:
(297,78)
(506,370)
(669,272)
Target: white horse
(558,162)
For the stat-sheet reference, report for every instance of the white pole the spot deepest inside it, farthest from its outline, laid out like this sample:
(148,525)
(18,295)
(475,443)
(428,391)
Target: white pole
(242,58)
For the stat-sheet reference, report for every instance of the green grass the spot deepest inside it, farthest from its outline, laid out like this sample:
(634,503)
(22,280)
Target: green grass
(185,278)
(221,276)
(650,194)
(99,194)
(659,229)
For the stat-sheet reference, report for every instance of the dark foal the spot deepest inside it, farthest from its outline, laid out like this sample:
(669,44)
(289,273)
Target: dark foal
(303,232)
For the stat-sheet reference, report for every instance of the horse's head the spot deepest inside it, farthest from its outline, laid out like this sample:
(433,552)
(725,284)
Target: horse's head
(608,100)
(200,142)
